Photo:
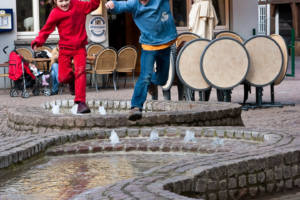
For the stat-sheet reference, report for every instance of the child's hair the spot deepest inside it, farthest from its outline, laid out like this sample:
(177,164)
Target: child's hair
(52,3)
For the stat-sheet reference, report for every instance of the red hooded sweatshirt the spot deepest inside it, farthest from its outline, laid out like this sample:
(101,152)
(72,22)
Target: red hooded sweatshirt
(70,24)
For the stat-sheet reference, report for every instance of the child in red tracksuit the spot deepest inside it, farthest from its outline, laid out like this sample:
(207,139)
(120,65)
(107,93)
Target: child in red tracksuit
(69,17)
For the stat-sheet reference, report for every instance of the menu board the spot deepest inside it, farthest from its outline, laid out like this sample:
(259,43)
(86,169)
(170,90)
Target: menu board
(6,23)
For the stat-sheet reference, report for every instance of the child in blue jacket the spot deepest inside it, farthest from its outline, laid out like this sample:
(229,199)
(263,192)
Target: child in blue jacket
(158,33)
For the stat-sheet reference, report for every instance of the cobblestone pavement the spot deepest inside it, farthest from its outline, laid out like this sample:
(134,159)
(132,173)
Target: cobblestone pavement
(285,120)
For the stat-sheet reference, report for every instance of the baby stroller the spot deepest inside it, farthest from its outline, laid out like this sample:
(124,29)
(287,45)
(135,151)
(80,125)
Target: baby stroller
(22,76)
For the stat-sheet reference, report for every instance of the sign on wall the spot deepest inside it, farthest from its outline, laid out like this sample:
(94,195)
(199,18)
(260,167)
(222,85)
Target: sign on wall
(97,28)
(6,20)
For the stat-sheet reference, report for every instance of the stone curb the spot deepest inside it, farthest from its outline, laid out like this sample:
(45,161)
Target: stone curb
(266,170)
(39,120)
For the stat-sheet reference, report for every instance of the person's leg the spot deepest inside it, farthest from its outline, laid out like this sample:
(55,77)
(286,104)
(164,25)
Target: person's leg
(141,87)
(80,75)
(44,83)
(160,77)
(65,72)
(54,77)
(80,80)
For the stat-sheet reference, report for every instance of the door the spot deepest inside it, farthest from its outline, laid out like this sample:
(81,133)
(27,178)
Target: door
(132,38)
(122,32)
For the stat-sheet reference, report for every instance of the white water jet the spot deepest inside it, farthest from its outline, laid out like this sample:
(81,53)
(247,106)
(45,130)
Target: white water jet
(114,139)
(55,109)
(52,103)
(74,110)
(102,110)
(153,136)
(189,136)
(217,141)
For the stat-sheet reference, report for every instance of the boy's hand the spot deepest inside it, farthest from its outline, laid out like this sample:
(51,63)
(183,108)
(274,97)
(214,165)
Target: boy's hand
(110,5)
(34,47)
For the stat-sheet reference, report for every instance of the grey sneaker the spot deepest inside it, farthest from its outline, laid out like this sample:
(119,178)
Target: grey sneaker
(135,114)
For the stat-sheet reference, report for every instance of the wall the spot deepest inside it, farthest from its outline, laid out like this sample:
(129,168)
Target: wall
(244,15)
(104,15)
(7,39)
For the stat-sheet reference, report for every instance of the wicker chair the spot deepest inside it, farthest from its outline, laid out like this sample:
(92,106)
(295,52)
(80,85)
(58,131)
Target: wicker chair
(25,52)
(127,57)
(186,36)
(105,64)
(4,75)
(42,65)
(93,49)
(231,35)
(220,93)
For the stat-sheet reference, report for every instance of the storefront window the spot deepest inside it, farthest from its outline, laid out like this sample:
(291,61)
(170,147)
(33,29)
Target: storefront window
(25,20)
(220,8)
(180,12)
(31,17)
(44,11)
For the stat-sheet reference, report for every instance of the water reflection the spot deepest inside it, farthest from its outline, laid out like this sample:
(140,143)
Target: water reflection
(64,177)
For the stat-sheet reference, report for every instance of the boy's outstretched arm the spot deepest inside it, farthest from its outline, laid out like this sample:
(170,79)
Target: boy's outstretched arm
(118,7)
(44,33)
(89,6)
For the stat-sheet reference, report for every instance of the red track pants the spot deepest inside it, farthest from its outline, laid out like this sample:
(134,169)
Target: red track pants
(66,74)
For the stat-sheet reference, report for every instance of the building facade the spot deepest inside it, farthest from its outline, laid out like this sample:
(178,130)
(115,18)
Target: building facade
(280,17)
(30,15)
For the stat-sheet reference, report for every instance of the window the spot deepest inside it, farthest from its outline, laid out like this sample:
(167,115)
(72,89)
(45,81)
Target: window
(222,11)
(180,13)
(31,17)
(262,19)
(181,9)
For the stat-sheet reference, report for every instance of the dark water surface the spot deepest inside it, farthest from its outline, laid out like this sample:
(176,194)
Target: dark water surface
(64,177)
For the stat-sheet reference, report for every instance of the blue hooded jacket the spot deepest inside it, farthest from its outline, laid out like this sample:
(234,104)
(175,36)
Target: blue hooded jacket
(154,20)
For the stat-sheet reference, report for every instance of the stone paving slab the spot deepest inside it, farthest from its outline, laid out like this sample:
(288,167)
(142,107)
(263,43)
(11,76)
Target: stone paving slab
(157,184)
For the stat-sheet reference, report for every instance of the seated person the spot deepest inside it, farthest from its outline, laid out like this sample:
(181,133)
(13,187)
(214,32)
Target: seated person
(54,70)
(36,72)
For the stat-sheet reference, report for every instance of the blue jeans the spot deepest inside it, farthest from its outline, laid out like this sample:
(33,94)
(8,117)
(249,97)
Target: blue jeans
(160,77)
(54,76)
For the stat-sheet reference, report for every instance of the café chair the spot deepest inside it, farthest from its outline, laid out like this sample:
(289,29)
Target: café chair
(25,52)
(4,75)
(105,64)
(183,91)
(127,57)
(247,87)
(93,49)
(230,34)
(186,36)
(42,66)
